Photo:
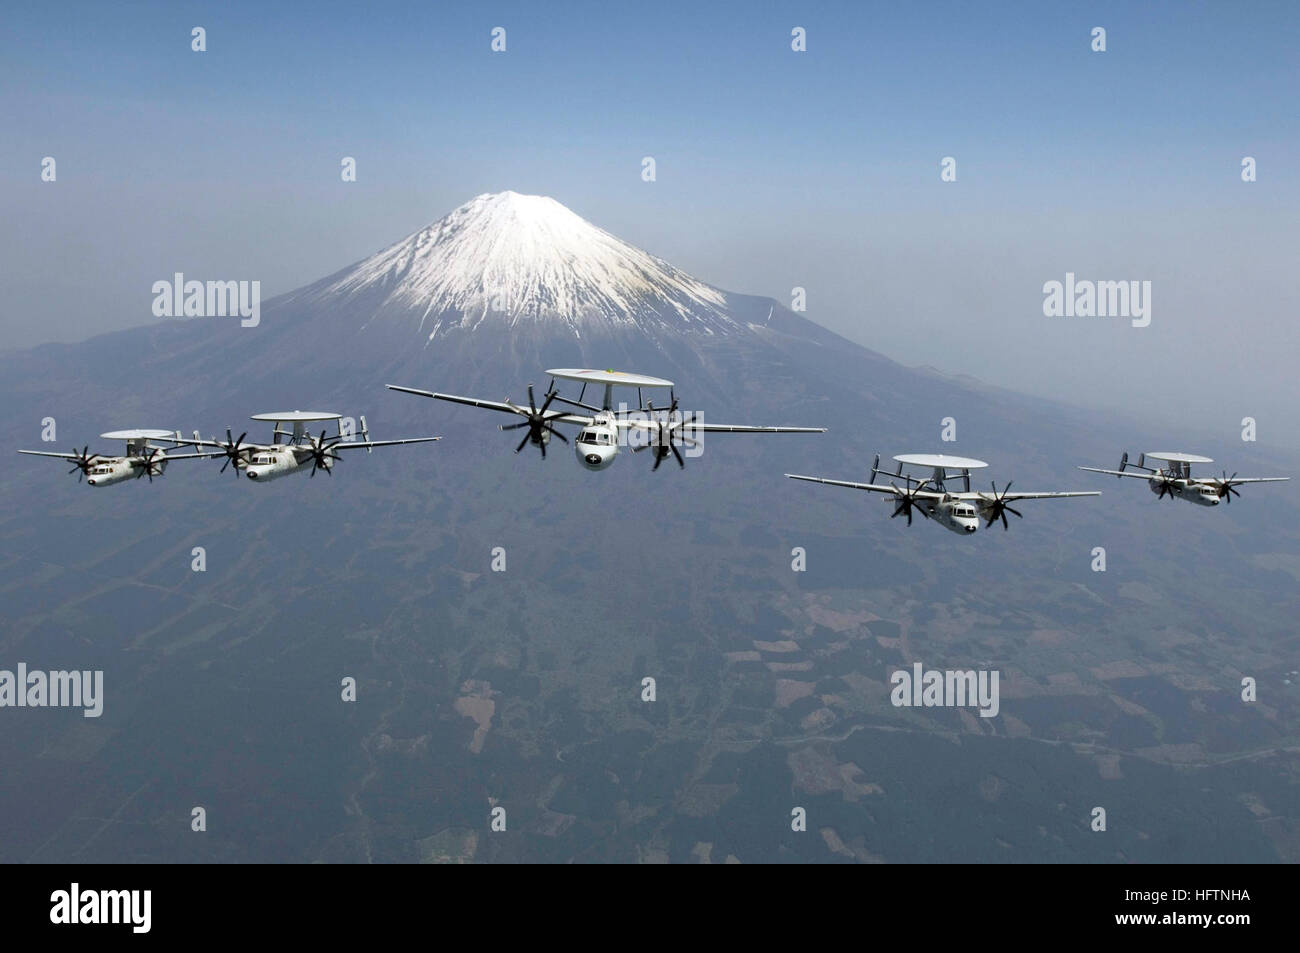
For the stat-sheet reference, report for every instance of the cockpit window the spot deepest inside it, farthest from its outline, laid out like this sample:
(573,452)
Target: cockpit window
(587,436)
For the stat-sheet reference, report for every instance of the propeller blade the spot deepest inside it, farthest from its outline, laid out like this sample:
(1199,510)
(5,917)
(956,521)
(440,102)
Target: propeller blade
(524,441)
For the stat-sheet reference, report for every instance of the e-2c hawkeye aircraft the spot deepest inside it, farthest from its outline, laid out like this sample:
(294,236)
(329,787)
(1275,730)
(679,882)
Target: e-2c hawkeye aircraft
(1174,479)
(264,462)
(959,511)
(142,458)
(597,444)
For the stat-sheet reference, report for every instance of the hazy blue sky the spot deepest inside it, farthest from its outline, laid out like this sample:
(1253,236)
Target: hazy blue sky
(775,168)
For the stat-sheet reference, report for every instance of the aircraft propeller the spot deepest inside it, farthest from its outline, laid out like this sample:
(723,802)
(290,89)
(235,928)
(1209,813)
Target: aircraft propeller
(232,448)
(83,462)
(152,469)
(998,508)
(907,501)
(322,452)
(664,434)
(536,422)
(1226,487)
(1166,486)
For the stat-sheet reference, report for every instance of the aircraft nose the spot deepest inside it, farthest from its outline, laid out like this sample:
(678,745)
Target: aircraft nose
(593,458)
(970,528)
(251,474)
(90,481)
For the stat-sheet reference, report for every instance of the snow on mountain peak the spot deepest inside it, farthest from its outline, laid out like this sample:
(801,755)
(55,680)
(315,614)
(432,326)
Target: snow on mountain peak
(512,258)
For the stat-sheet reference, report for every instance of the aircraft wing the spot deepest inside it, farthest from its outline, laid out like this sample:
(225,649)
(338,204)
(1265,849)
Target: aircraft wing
(217,445)
(64,456)
(873,487)
(742,428)
(689,428)
(989,497)
(1119,473)
(551,416)
(185,456)
(455,399)
(1215,480)
(359,444)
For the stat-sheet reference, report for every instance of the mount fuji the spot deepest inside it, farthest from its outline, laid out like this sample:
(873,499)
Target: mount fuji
(523,687)
(509,259)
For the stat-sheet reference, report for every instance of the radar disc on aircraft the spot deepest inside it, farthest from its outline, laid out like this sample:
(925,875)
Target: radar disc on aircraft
(137,435)
(616,378)
(290,416)
(1180,457)
(940,460)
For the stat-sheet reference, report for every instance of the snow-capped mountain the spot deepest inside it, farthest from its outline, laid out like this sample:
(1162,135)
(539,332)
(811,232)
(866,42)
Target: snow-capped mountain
(507,259)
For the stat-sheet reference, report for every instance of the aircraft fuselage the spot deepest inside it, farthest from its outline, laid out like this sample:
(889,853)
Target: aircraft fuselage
(956,516)
(109,470)
(1193,491)
(597,445)
(272,464)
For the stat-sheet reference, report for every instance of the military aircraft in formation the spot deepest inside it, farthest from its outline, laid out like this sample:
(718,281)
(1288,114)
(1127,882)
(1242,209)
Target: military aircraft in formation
(143,458)
(959,511)
(289,451)
(603,429)
(1173,479)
